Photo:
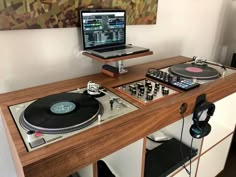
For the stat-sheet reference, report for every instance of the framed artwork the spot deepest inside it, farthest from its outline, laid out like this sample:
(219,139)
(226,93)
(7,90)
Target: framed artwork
(36,14)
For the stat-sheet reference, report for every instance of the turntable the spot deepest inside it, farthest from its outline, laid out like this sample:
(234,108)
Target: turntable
(198,69)
(195,71)
(189,75)
(55,117)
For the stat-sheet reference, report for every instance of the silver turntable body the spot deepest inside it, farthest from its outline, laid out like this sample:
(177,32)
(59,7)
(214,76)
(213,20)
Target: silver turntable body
(222,72)
(34,140)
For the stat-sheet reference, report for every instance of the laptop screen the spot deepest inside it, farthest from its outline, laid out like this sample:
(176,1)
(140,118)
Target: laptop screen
(102,28)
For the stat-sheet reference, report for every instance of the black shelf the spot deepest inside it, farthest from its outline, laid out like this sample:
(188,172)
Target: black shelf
(166,158)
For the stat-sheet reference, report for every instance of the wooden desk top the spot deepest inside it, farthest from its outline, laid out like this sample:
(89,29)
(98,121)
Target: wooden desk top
(64,157)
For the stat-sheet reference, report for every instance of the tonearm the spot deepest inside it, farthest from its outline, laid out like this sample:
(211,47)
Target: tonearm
(201,61)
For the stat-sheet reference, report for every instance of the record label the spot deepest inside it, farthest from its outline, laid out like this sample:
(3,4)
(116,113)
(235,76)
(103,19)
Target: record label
(194,69)
(62,107)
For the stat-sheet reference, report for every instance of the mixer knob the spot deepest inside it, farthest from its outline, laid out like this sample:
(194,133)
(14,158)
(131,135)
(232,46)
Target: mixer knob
(163,87)
(149,97)
(149,87)
(134,91)
(131,87)
(148,91)
(139,85)
(168,91)
(140,94)
(141,90)
(165,91)
(156,90)
(157,85)
(147,83)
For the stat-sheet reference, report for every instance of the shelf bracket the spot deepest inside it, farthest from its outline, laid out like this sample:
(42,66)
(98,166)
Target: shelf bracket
(120,66)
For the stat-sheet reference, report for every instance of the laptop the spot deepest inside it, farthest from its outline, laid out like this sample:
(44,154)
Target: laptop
(104,33)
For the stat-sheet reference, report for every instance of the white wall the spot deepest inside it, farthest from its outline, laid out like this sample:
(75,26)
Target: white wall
(184,27)
(204,25)
(34,57)
(229,36)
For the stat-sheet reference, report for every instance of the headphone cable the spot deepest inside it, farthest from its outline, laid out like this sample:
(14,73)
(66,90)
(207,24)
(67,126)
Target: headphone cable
(190,158)
(181,148)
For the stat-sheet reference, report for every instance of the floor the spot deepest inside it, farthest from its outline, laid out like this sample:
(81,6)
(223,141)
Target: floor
(230,167)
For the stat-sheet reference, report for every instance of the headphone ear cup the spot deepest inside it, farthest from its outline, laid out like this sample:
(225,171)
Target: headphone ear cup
(203,129)
(195,131)
(206,128)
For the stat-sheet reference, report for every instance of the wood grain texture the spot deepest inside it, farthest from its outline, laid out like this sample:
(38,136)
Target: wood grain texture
(95,170)
(64,157)
(15,156)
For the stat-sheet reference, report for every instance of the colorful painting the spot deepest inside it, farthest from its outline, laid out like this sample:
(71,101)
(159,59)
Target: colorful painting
(34,14)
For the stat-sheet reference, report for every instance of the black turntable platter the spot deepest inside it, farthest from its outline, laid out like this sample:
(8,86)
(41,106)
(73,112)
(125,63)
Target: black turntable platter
(201,72)
(61,113)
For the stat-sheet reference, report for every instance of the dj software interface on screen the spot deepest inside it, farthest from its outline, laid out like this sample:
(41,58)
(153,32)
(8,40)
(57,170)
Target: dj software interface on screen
(103,29)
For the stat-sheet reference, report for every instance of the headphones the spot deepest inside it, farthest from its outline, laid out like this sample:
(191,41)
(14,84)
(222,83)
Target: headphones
(200,129)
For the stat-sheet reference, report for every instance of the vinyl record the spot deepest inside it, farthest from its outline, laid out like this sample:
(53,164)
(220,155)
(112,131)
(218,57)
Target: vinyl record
(61,113)
(201,72)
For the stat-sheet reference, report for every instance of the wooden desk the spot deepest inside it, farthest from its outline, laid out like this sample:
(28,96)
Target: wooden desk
(64,157)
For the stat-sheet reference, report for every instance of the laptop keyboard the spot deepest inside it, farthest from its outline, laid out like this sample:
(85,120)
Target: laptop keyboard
(111,49)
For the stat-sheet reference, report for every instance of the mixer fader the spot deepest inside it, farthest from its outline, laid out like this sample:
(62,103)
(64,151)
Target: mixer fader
(146,91)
